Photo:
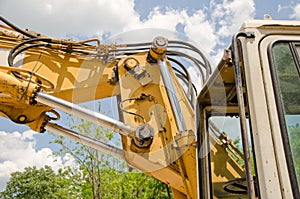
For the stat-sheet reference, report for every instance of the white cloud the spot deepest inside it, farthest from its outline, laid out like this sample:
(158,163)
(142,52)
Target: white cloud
(206,27)
(280,7)
(85,18)
(200,30)
(78,17)
(229,15)
(195,77)
(296,12)
(210,28)
(157,19)
(196,26)
(158,23)
(18,151)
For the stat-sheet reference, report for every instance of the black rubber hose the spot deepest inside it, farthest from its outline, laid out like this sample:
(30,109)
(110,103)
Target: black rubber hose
(197,62)
(12,53)
(11,60)
(187,75)
(184,78)
(16,28)
(207,64)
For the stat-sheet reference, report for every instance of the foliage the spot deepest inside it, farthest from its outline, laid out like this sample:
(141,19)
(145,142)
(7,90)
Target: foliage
(237,143)
(294,137)
(98,176)
(130,185)
(105,176)
(289,82)
(41,183)
(288,78)
(91,162)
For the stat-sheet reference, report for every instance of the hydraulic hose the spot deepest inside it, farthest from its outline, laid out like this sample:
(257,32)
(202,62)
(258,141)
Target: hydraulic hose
(16,28)
(12,53)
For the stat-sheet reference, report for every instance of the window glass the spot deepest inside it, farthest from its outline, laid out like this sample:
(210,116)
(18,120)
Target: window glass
(227,159)
(289,85)
(298,49)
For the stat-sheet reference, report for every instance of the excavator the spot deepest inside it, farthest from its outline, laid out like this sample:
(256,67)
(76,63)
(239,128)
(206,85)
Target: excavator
(170,128)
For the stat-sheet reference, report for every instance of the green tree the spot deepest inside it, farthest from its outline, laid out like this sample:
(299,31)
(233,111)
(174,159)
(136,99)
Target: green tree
(104,176)
(41,183)
(131,185)
(90,161)
(294,137)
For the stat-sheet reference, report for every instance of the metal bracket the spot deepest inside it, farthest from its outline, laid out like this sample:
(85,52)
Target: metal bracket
(134,68)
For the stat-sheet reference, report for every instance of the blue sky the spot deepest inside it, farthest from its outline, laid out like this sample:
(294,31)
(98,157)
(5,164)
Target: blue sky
(262,7)
(209,23)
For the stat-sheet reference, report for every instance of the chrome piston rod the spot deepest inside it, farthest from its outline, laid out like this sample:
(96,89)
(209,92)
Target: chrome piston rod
(165,73)
(86,114)
(88,141)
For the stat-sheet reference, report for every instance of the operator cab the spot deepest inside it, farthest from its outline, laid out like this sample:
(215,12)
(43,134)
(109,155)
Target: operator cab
(252,97)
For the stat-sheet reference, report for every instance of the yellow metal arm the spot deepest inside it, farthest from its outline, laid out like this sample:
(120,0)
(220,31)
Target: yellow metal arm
(80,72)
(157,120)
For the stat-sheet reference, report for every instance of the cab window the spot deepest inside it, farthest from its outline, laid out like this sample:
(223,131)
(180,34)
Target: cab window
(285,68)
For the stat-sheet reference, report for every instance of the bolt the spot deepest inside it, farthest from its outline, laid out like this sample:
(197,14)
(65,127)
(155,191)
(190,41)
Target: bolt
(144,135)
(131,63)
(22,118)
(160,42)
